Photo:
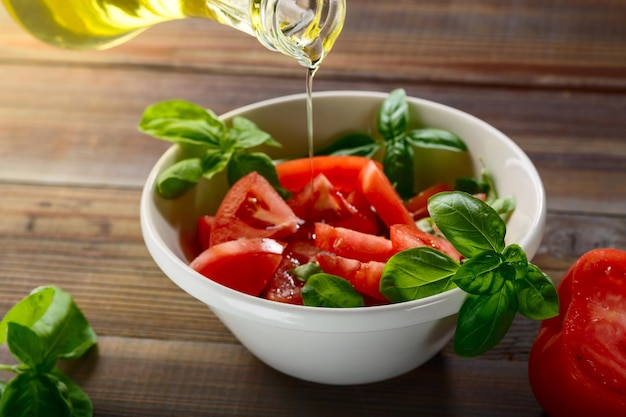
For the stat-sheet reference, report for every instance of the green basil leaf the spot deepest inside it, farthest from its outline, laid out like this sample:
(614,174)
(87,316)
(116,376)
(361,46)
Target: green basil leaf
(215,161)
(52,314)
(306,271)
(246,134)
(398,167)
(467,222)
(471,185)
(516,257)
(182,122)
(537,297)
(28,348)
(81,403)
(244,163)
(359,144)
(179,177)
(393,115)
(504,205)
(35,395)
(484,320)
(481,274)
(417,273)
(325,290)
(436,138)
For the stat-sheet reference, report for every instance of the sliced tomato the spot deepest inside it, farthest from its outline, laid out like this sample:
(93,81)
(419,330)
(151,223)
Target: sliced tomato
(244,265)
(407,237)
(374,185)
(320,201)
(418,204)
(342,171)
(352,244)
(364,276)
(577,365)
(251,209)
(203,228)
(284,287)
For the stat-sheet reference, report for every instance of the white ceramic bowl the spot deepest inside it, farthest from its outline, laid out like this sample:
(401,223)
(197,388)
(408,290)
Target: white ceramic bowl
(342,346)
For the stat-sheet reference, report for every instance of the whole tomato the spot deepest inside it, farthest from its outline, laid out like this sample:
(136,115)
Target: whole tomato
(577,366)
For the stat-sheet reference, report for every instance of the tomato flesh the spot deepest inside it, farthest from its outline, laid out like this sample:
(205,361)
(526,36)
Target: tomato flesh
(253,209)
(378,190)
(351,244)
(418,204)
(577,365)
(229,263)
(406,237)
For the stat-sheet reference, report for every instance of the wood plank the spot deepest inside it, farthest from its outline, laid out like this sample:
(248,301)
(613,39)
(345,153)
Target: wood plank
(142,377)
(561,43)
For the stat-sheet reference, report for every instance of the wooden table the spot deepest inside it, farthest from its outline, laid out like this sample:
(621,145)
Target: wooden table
(549,73)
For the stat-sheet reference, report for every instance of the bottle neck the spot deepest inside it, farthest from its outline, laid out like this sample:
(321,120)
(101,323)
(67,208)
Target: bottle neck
(302,29)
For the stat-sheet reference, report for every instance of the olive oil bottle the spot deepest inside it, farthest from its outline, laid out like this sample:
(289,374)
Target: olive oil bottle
(303,29)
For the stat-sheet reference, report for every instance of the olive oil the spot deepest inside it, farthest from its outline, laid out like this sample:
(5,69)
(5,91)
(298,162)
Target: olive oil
(303,29)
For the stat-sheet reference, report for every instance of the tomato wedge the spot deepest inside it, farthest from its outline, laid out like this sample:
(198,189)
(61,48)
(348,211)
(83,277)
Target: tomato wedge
(351,244)
(253,209)
(577,365)
(418,204)
(341,171)
(374,185)
(407,237)
(203,228)
(229,263)
(364,276)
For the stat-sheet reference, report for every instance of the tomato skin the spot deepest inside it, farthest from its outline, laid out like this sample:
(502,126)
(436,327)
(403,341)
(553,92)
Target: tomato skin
(228,263)
(203,227)
(374,185)
(341,171)
(351,244)
(253,209)
(406,237)
(418,204)
(364,276)
(577,365)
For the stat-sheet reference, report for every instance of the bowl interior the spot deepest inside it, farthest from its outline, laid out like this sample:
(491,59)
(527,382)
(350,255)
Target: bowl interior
(169,225)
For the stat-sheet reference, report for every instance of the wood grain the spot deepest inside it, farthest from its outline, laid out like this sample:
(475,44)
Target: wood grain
(550,74)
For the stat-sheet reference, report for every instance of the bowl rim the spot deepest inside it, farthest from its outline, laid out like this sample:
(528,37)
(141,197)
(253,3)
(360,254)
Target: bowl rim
(222,299)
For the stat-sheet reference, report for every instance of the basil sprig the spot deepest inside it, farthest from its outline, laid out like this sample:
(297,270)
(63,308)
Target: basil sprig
(498,279)
(219,147)
(397,141)
(39,330)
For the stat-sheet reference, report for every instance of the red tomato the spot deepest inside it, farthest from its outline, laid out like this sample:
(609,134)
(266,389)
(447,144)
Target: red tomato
(320,201)
(342,171)
(284,287)
(352,244)
(244,265)
(418,204)
(407,237)
(577,365)
(204,226)
(364,276)
(374,185)
(252,208)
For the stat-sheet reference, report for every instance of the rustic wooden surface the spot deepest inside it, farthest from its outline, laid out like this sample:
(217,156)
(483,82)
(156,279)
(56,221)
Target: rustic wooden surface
(549,73)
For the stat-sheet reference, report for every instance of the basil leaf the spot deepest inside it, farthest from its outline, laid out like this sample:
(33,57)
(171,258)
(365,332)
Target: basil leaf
(306,271)
(417,273)
(481,275)
(398,167)
(471,185)
(393,116)
(516,257)
(468,223)
(435,138)
(503,205)
(179,177)
(28,348)
(81,403)
(246,134)
(181,122)
(325,290)
(359,144)
(52,314)
(242,164)
(537,297)
(35,395)
(484,320)
(215,161)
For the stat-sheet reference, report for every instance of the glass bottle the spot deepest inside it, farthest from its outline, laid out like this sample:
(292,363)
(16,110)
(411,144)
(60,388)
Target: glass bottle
(303,29)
